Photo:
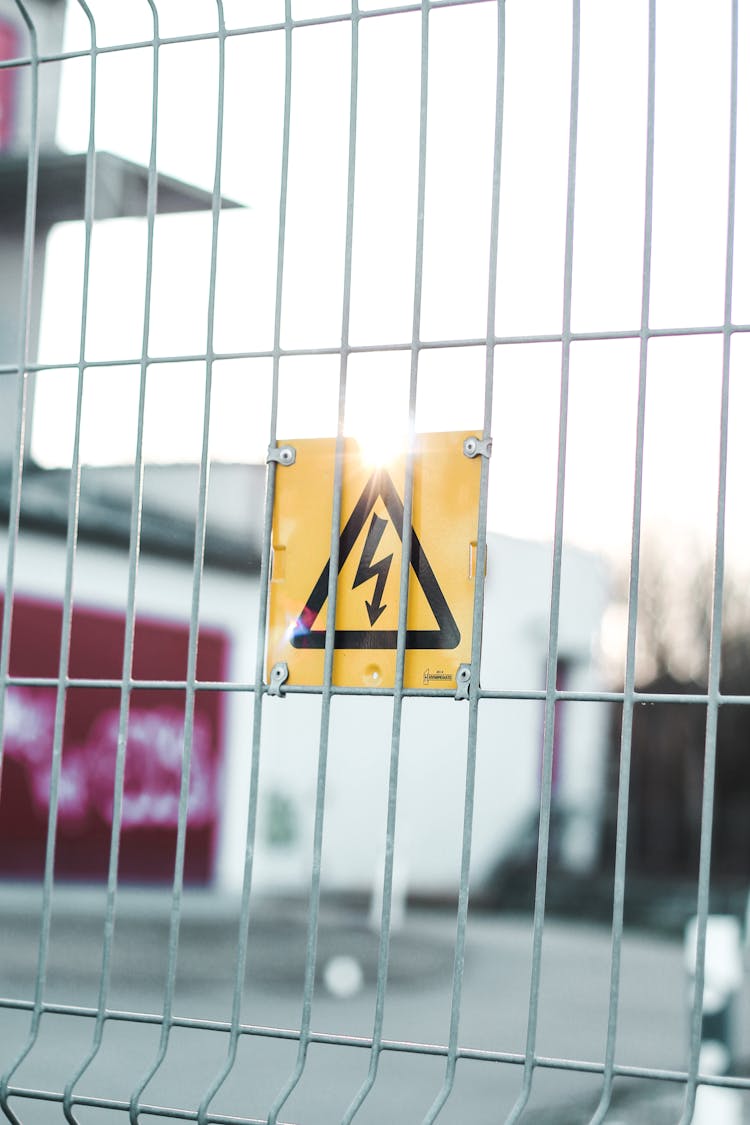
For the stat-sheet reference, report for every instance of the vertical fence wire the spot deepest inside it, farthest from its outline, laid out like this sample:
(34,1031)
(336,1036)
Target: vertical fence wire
(198,559)
(545,809)
(73,513)
(628,703)
(235,1028)
(22,362)
(406,539)
(61,693)
(130,614)
(714,659)
(332,597)
(478,611)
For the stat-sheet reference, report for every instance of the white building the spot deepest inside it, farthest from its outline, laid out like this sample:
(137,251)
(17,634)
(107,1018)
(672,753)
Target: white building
(433,749)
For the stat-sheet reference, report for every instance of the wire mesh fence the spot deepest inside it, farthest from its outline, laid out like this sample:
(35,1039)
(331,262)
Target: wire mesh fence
(233,344)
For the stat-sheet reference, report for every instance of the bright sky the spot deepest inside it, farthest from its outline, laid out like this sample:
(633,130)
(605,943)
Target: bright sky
(690,213)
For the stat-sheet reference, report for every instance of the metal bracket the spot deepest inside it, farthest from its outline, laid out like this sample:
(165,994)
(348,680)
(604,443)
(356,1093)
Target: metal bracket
(284,454)
(279,676)
(475,447)
(463,679)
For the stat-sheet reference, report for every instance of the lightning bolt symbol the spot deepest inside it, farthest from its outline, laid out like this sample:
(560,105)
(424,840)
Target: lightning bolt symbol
(367,569)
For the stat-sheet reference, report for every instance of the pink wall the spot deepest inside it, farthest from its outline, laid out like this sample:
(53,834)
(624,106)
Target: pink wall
(154,749)
(10,48)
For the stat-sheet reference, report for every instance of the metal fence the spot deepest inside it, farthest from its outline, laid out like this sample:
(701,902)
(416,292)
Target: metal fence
(527,1062)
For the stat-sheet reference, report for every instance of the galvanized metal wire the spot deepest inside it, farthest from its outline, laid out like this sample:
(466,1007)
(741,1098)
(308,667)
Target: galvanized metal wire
(545,810)
(125,686)
(14,521)
(717,605)
(200,542)
(626,734)
(235,1028)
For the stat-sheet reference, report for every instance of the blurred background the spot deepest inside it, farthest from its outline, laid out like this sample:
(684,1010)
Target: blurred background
(146,363)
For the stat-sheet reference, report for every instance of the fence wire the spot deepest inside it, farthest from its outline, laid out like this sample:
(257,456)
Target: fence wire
(529,1062)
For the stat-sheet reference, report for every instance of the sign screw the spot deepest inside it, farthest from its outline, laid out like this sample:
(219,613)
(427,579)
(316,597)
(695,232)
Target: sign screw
(474,446)
(463,679)
(279,676)
(283,455)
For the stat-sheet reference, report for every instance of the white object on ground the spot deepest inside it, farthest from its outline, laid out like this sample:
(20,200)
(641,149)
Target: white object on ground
(343,976)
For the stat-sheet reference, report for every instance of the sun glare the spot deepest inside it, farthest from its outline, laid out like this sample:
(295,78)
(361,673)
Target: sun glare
(380,446)
(378,422)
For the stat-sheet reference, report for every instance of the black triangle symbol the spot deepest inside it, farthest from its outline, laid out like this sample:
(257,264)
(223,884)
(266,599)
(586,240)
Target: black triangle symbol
(447,634)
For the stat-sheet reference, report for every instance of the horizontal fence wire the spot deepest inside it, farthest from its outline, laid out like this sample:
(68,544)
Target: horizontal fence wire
(402,346)
(236,1030)
(230,32)
(531,694)
(365,1042)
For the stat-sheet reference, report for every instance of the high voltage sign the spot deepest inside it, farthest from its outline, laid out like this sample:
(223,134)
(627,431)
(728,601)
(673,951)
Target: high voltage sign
(441,542)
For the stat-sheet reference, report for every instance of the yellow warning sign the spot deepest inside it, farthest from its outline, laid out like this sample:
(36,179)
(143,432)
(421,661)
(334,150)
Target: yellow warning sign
(442,563)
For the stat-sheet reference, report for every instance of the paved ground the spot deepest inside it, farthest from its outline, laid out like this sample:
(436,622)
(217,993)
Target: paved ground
(572,1018)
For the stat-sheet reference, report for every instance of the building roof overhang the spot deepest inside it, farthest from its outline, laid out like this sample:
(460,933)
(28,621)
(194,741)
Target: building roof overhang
(121,190)
(169,509)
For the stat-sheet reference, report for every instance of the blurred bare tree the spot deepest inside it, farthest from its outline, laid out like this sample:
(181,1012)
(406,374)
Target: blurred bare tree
(675,598)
